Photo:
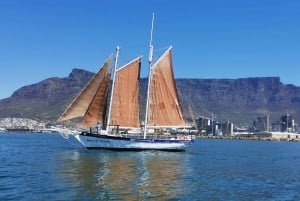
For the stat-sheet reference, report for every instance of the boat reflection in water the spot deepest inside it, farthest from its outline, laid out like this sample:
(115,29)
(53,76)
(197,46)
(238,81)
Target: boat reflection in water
(122,175)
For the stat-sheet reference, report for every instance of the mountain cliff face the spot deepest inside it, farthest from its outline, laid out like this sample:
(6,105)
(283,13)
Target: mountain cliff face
(240,100)
(46,99)
(237,100)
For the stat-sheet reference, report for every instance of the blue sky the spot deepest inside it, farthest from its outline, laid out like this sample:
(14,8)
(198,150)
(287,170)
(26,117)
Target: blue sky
(40,39)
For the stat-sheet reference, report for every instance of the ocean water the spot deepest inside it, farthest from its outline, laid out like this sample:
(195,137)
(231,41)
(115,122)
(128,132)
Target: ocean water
(48,167)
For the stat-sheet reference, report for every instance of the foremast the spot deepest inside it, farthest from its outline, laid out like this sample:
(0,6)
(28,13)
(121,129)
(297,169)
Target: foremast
(149,77)
(113,86)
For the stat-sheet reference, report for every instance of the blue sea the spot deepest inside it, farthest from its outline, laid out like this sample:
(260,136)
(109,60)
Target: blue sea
(48,167)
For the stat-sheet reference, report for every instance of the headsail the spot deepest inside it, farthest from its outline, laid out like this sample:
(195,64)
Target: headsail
(96,112)
(80,105)
(164,106)
(125,100)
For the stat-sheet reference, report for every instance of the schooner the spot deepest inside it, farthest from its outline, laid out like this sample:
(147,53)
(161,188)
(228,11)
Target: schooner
(121,110)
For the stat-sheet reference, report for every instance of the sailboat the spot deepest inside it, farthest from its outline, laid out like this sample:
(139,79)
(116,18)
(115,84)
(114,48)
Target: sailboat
(118,116)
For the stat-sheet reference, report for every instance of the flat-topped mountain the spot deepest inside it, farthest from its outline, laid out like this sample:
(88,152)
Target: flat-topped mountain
(237,100)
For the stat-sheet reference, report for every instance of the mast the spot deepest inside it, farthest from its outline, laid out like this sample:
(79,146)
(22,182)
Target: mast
(149,76)
(113,86)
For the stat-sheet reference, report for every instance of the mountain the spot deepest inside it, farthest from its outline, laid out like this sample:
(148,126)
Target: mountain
(238,100)
(46,99)
(241,100)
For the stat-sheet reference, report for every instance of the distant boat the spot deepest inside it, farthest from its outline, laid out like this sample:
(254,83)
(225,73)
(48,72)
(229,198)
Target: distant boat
(119,114)
(2,130)
(21,129)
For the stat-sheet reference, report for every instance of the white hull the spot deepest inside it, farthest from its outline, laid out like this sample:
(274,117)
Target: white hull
(91,141)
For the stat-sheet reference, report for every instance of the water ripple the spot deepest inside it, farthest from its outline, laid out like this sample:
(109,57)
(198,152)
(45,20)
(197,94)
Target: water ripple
(47,167)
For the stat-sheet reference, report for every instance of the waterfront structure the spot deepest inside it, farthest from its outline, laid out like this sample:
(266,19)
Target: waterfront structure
(20,124)
(261,123)
(209,126)
(287,123)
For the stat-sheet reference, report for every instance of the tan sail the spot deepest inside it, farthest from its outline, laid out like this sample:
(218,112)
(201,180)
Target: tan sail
(125,104)
(164,106)
(82,102)
(96,112)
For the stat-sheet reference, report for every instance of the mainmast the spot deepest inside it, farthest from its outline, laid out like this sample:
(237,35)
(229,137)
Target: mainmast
(113,86)
(149,76)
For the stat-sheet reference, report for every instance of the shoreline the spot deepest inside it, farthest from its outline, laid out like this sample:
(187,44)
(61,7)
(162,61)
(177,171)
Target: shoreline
(274,137)
(281,139)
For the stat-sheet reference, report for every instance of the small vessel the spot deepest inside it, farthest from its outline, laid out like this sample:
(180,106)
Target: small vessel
(19,129)
(118,116)
(2,130)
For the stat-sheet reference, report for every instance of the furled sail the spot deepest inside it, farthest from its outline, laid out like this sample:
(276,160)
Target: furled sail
(125,100)
(80,105)
(164,106)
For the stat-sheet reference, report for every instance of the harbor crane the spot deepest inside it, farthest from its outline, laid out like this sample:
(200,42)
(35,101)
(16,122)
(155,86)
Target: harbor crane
(193,117)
